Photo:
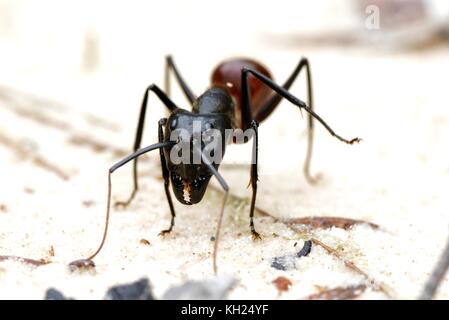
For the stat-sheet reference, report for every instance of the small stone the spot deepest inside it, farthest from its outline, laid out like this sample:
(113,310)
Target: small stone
(288,262)
(284,263)
(53,294)
(282,284)
(139,290)
(305,249)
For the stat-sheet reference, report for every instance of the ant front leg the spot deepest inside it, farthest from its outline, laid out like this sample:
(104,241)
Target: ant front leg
(139,132)
(166,175)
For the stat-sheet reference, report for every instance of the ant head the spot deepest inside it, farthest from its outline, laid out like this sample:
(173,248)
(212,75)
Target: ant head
(198,137)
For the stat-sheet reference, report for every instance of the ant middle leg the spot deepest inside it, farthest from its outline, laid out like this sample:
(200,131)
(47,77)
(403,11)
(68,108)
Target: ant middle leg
(166,176)
(139,132)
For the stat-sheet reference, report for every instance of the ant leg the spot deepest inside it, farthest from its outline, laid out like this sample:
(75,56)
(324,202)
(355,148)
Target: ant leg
(287,95)
(166,175)
(254,179)
(170,65)
(139,132)
(133,156)
(276,99)
(246,114)
(225,187)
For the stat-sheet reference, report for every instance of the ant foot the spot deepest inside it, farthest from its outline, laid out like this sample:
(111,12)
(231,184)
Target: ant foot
(121,204)
(164,233)
(355,140)
(255,235)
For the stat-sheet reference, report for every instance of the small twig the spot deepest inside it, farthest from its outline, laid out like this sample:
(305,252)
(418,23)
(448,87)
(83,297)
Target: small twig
(96,121)
(292,225)
(96,145)
(376,285)
(36,263)
(37,159)
(339,293)
(314,222)
(11,95)
(437,276)
(75,136)
(329,222)
(15,99)
(45,164)
(40,118)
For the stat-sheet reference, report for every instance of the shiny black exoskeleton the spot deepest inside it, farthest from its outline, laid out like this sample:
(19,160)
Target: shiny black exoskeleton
(214,109)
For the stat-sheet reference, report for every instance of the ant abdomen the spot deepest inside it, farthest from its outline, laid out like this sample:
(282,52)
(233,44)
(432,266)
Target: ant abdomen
(228,74)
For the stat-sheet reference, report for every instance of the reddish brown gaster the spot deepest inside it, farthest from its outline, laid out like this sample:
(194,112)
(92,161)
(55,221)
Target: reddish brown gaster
(228,74)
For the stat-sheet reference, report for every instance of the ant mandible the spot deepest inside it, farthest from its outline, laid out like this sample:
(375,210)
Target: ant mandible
(242,94)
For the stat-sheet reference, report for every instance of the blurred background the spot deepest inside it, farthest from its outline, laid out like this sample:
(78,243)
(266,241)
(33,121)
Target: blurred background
(98,56)
(52,46)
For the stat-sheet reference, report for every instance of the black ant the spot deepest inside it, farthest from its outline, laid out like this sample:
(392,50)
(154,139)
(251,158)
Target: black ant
(242,94)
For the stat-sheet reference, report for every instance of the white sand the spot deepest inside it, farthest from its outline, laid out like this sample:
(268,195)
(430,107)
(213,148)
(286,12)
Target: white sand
(397,177)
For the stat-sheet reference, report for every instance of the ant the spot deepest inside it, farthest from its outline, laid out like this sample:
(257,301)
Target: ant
(242,94)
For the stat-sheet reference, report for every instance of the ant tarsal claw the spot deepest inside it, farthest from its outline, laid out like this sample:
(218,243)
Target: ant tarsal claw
(121,204)
(355,140)
(164,233)
(255,235)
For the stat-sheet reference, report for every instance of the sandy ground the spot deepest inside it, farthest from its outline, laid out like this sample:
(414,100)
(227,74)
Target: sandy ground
(60,131)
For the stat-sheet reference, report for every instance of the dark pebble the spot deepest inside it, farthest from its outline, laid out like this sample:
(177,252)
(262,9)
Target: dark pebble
(139,290)
(53,294)
(305,249)
(287,262)
(277,264)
